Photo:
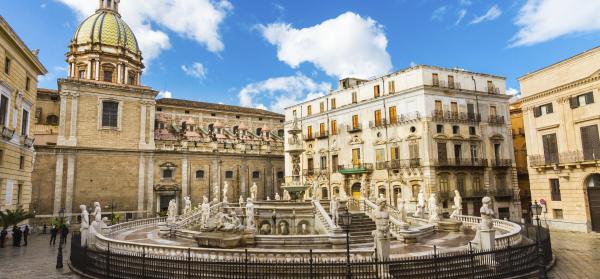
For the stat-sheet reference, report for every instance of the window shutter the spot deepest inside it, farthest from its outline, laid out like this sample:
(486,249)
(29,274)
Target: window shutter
(537,111)
(589,98)
(574,102)
(549,108)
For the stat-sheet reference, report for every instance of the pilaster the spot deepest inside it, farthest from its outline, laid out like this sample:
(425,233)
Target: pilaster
(150,185)
(62,118)
(73,127)
(141,174)
(70,184)
(184,177)
(58,183)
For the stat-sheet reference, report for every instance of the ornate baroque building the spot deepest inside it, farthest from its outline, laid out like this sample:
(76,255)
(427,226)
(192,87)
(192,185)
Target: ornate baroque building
(19,71)
(520,146)
(103,137)
(419,128)
(560,111)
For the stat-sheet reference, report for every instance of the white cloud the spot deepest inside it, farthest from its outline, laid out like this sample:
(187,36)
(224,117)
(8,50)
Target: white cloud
(461,14)
(196,70)
(544,20)
(348,45)
(438,14)
(275,94)
(512,91)
(198,20)
(164,94)
(465,2)
(493,13)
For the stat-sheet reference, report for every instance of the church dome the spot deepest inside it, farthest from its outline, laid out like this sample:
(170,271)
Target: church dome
(106,27)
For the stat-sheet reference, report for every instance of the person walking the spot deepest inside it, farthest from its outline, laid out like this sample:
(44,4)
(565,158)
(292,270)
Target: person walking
(3,235)
(16,236)
(25,235)
(53,233)
(63,233)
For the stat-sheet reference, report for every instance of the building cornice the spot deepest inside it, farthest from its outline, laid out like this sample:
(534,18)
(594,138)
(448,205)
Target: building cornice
(32,58)
(593,78)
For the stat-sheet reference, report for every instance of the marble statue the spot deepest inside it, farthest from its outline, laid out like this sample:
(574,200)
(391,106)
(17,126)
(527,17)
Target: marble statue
(303,229)
(457,204)
(401,208)
(382,219)
(225,190)
(241,201)
(253,191)
(286,195)
(216,192)
(342,195)
(487,214)
(420,204)
(373,191)
(268,198)
(364,189)
(229,222)
(97,222)
(97,212)
(250,225)
(277,197)
(334,205)
(172,211)
(283,228)
(85,225)
(205,212)
(433,209)
(315,191)
(187,202)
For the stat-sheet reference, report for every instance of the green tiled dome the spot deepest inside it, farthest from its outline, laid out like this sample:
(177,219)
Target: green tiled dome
(106,27)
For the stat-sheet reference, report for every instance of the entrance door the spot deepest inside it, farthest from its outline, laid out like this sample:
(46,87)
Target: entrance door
(164,202)
(593,187)
(356,191)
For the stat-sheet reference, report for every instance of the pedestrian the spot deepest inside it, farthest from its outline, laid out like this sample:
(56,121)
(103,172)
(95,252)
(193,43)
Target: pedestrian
(16,236)
(25,234)
(63,233)
(3,235)
(45,228)
(53,233)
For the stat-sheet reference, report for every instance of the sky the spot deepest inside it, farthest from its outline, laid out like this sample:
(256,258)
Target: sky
(271,54)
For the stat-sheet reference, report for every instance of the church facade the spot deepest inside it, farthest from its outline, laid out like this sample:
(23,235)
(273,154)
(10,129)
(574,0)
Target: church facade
(102,136)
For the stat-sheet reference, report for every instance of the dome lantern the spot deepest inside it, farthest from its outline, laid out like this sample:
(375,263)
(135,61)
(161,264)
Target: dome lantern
(112,5)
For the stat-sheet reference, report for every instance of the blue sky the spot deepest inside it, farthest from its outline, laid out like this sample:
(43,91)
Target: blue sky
(270,54)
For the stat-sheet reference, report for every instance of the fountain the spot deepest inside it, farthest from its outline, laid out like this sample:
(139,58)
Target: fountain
(295,187)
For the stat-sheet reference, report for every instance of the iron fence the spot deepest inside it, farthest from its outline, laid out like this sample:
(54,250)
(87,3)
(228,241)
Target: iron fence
(502,263)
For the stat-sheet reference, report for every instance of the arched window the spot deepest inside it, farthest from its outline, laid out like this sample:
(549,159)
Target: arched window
(280,132)
(324,193)
(443,180)
(593,181)
(199,174)
(258,131)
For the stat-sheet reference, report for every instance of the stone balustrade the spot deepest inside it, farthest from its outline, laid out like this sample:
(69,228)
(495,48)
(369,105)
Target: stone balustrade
(323,219)
(509,232)
(133,224)
(195,215)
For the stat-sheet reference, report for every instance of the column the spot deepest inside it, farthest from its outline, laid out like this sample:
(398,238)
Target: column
(244,177)
(88,74)
(97,69)
(214,177)
(184,177)
(70,185)
(151,125)
(126,80)
(150,185)
(143,124)
(119,72)
(58,183)
(141,174)
(73,128)
(62,118)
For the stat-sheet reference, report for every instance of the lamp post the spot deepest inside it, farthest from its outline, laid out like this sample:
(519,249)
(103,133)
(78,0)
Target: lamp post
(59,257)
(536,209)
(346,219)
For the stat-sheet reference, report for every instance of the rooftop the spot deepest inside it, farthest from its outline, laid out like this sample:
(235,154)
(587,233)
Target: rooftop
(218,107)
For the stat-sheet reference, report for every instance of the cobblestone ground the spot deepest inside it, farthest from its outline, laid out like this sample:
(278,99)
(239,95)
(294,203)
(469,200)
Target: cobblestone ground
(36,260)
(577,255)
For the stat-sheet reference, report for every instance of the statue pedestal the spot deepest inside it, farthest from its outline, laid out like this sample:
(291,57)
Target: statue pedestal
(449,225)
(382,246)
(486,239)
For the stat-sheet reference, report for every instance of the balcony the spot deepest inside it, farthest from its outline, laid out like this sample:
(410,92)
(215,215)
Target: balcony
(27,141)
(355,168)
(451,116)
(404,163)
(493,90)
(8,133)
(323,135)
(503,191)
(377,124)
(445,84)
(309,137)
(501,163)
(460,162)
(354,128)
(475,193)
(404,118)
(308,172)
(570,157)
(496,120)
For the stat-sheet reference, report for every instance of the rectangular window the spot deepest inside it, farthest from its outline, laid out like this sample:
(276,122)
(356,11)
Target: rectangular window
(3,110)
(310,164)
(321,107)
(355,121)
(490,86)
(442,154)
(557,214)
(582,100)
(393,114)
(25,123)
(550,149)
(22,162)
(395,153)
(543,110)
(458,152)
(333,127)
(376,92)
(476,183)
(167,173)
(334,162)
(455,129)
(354,98)
(27,83)
(333,105)
(110,114)
(460,183)
(493,111)
(323,162)
(454,109)
(391,86)
(555,189)
(322,130)
(199,174)
(378,118)
(439,128)
(19,193)
(438,106)
(228,174)
(309,132)
(450,81)
(444,184)
(435,81)
(309,110)
(255,174)
(356,156)
(590,142)
(379,155)
(413,149)
(473,152)
(472,131)
(81,74)
(7,65)
(108,76)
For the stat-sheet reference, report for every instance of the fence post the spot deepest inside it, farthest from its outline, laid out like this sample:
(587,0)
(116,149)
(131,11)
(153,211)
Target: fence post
(143,262)
(472,259)
(246,264)
(108,260)
(435,261)
(189,263)
(311,263)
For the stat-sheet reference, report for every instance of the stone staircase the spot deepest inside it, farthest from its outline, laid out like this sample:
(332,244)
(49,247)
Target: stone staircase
(361,230)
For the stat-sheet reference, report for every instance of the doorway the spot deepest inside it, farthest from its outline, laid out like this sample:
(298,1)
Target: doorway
(356,191)
(164,202)
(593,187)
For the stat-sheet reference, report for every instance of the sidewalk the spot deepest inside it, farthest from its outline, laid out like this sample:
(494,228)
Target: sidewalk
(577,255)
(36,260)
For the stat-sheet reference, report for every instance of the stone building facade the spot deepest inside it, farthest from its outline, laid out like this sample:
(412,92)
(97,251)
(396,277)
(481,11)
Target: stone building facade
(19,71)
(520,146)
(419,128)
(103,137)
(560,111)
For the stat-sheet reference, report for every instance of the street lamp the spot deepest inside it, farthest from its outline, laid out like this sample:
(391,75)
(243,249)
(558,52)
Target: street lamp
(346,219)
(59,257)
(536,209)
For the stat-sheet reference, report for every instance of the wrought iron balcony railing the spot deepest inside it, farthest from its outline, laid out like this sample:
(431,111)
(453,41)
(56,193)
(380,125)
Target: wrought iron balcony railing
(460,162)
(378,124)
(496,120)
(322,134)
(453,116)
(501,163)
(569,157)
(353,128)
(355,168)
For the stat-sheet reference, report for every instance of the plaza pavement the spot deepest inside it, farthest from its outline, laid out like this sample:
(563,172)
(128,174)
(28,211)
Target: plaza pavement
(578,257)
